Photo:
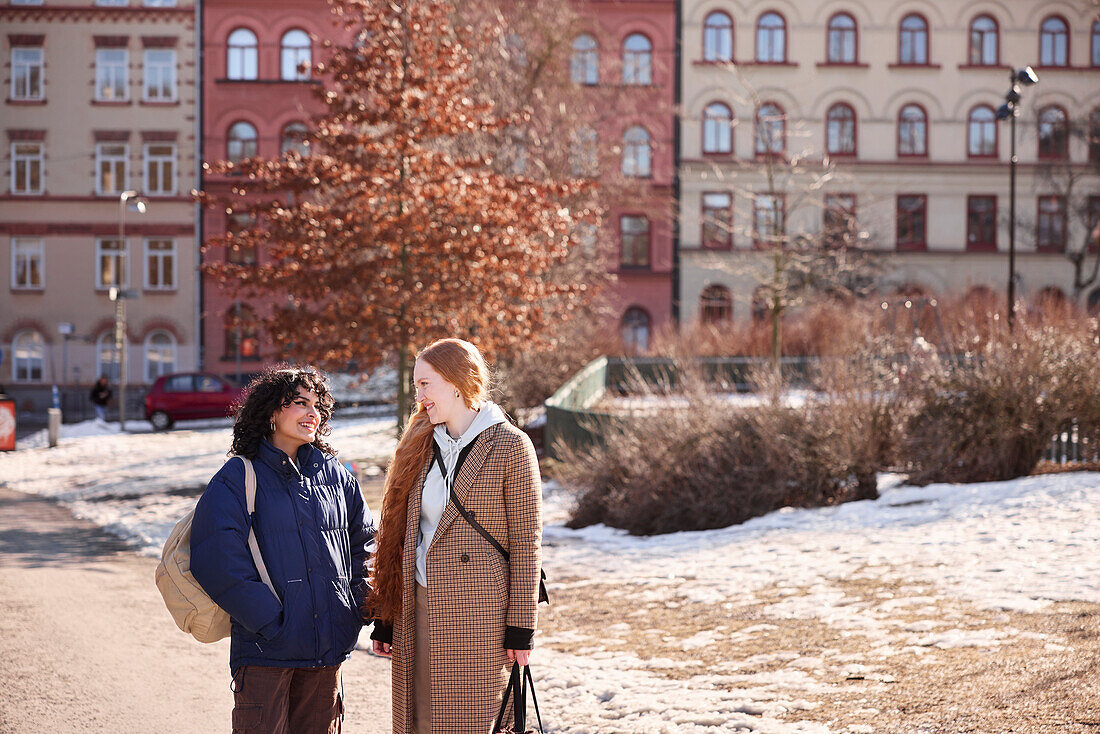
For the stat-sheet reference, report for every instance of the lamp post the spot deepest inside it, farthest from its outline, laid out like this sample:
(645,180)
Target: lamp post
(1010,110)
(126,200)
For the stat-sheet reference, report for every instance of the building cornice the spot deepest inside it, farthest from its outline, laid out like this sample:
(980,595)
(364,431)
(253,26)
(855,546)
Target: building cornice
(103,14)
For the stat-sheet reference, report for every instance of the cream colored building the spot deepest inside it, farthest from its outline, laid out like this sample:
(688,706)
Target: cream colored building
(888,109)
(100,99)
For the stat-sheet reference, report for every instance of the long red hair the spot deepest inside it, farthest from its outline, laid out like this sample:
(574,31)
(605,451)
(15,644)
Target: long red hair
(461,364)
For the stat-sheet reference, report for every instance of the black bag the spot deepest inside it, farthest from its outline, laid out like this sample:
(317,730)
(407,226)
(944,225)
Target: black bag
(518,685)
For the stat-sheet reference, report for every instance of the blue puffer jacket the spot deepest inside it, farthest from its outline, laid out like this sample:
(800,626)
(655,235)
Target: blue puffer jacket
(315,534)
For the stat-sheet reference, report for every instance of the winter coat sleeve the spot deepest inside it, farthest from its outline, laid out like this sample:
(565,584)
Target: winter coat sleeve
(361,531)
(221,561)
(523,508)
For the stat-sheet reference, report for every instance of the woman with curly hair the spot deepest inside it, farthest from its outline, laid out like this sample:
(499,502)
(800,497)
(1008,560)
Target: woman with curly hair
(314,532)
(452,608)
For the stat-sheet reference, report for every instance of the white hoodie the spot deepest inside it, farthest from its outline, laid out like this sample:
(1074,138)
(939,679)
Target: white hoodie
(435,495)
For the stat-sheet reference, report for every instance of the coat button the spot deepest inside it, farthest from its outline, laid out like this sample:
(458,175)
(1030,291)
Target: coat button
(465,557)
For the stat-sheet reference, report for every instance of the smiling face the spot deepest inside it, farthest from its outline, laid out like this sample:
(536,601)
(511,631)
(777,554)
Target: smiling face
(297,423)
(436,395)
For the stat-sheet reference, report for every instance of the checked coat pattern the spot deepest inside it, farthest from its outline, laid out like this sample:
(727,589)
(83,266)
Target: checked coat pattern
(473,593)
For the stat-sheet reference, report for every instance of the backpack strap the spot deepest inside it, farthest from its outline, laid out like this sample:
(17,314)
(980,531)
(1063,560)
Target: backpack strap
(250,502)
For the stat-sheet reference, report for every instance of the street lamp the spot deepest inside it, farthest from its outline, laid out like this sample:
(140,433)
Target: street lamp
(1010,110)
(126,200)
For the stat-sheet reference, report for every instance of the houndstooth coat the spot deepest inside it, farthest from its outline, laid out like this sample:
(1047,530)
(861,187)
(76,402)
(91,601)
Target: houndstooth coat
(473,593)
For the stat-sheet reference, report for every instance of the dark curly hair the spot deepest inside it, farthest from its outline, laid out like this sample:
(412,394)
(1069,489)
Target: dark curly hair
(273,389)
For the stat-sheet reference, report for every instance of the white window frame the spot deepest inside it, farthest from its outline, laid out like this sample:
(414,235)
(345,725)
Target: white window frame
(28,361)
(166,161)
(107,73)
(157,72)
(242,61)
(146,348)
(637,154)
(159,256)
(24,71)
(159,3)
(28,162)
(101,159)
(112,3)
(637,62)
(28,248)
(26,2)
(290,57)
(122,263)
(584,64)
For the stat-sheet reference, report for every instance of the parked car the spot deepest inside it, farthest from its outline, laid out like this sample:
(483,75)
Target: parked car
(184,396)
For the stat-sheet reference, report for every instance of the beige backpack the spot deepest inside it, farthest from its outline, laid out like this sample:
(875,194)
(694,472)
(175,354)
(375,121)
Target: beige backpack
(192,608)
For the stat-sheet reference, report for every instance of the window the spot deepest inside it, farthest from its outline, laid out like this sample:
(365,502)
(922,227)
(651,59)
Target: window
(637,155)
(112,164)
(295,56)
(637,60)
(840,130)
(718,37)
(1094,135)
(981,133)
(767,220)
(293,138)
(1093,233)
(112,74)
(160,75)
(242,332)
(1050,233)
(27,73)
(841,40)
(585,65)
(241,141)
(635,329)
(160,169)
(771,130)
(913,40)
(717,128)
(984,49)
(240,252)
(112,3)
(241,55)
(1053,134)
(160,264)
(1054,42)
(27,264)
(771,39)
(912,131)
(111,263)
(27,163)
(635,241)
(981,223)
(839,218)
(583,152)
(715,304)
(1094,56)
(718,220)
(160,355)
(106,356)
(912,215)
(159,3)
(28,352)
(1094,303)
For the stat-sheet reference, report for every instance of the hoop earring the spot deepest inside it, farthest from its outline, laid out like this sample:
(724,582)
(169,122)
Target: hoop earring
(273,426)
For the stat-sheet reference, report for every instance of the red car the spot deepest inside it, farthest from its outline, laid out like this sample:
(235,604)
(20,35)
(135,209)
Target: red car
(184,396)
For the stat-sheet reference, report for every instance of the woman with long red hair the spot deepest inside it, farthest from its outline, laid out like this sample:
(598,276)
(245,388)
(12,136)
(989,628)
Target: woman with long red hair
(451,608)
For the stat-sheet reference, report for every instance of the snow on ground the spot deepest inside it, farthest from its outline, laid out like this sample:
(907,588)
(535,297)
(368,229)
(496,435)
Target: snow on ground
(1017,546)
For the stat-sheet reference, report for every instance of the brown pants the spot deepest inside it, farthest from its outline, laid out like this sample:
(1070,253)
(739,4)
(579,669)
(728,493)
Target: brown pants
(287,700)
(422,668)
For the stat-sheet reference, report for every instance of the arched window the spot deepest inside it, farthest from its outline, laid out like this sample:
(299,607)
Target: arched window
(637,154)
(242,332)
(634,241)
(637,60)
(584,152)
(912,131)
(840,130)
(1094,56)
(715,304)
(635,328)
(28,356)
(106,356)
(241,55)
(241,141)
(717,128)
(1054,42)
(160,355)
(913,40)
(293,138)
(984,48)
(771,39)
(295,56)
(840,41)
(771,129)
(718,37)
(585,64)
(1053,134)
(981,133)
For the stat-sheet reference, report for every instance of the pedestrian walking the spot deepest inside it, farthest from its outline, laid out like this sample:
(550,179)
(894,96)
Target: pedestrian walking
(314,533)
(452,610)
(100,397)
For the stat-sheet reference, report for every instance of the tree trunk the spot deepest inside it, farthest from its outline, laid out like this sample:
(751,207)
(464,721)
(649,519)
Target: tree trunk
(402,388)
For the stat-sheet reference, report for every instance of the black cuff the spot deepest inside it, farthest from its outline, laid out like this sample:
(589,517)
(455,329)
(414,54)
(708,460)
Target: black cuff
(518,638)
(382,632)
